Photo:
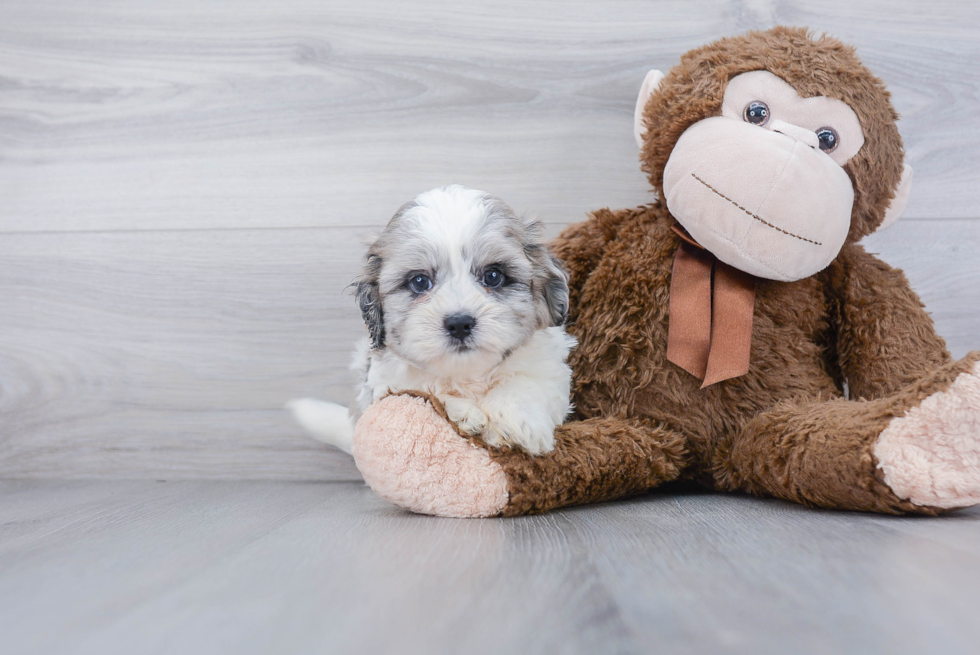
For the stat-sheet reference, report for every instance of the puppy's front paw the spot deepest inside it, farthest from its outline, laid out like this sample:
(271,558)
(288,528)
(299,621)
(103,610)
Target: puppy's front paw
(532,430)
(469,418)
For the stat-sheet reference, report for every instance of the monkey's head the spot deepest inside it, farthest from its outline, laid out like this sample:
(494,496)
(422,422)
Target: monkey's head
(773,149)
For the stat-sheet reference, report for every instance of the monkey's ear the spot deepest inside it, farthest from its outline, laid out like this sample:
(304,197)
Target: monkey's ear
(650,84)
(901,198)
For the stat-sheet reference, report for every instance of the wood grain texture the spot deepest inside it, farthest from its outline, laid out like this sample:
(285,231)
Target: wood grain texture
(191,114)
(172,354)
(941,260)
(259,567)
(184,187)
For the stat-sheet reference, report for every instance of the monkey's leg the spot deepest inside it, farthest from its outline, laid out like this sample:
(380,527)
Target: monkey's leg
(411,455)
(917,450)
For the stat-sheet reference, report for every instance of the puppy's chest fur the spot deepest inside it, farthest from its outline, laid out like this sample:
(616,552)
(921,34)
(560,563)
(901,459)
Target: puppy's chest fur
(517,401)
(386,372)
(383,371)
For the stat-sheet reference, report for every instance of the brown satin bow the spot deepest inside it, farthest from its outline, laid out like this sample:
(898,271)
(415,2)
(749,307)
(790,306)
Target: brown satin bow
(711,305)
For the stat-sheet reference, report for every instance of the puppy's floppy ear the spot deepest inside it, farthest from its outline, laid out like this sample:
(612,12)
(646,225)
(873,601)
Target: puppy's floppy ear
(368,295)
(549,286)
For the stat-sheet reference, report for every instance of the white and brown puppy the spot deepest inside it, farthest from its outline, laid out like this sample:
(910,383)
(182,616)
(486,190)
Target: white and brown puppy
(462,300)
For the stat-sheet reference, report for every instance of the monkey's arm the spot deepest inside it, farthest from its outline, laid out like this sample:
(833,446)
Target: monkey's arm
(580,247)
(409,454)
(885,338)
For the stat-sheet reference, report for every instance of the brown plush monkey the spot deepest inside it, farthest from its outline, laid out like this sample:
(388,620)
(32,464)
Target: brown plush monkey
(720,326)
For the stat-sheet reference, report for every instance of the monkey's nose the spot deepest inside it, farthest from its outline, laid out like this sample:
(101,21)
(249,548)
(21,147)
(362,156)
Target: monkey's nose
(801,134)
(459,326)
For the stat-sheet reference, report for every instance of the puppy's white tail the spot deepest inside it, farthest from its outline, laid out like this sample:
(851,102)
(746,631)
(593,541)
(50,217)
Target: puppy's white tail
(327,422)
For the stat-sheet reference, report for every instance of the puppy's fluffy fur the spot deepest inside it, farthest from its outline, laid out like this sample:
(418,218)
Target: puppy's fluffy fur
(462,300)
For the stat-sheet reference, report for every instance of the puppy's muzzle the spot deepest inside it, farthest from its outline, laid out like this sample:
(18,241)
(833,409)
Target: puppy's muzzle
(459,326)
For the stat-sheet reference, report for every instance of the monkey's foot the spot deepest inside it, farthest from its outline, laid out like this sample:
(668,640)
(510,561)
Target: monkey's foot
(931,454)
(411,456)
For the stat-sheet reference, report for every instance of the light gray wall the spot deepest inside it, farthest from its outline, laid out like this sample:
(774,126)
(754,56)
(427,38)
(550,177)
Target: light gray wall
(184,187)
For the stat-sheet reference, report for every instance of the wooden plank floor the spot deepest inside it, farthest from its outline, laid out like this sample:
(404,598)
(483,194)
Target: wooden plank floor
(184,190)
(270,567)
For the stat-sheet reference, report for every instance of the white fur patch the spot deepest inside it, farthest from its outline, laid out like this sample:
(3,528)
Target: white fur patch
(327,422)
(931,455)
(523,398)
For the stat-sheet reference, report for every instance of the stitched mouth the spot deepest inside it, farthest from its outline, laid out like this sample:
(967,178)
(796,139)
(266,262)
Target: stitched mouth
(755,216)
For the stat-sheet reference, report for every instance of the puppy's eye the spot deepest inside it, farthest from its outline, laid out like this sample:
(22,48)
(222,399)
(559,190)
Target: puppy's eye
(419,283)
(829,139)
(756,112)
(493,277)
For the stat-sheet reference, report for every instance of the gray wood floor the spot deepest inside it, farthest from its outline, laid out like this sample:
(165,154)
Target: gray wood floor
(272,567)
(184,188)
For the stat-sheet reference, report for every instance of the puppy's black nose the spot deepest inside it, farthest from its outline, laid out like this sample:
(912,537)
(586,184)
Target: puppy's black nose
(459,326)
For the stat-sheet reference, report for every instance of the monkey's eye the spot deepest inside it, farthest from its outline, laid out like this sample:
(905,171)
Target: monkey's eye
(419,283)
(493,277)
(756,112)
(829,139)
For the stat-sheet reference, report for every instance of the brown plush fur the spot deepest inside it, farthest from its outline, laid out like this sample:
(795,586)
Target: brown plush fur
(785,428)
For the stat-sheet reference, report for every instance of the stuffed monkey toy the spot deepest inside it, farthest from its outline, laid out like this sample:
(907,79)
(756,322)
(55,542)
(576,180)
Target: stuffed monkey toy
(734,332)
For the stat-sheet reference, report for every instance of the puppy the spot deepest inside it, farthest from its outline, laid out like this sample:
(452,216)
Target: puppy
(461,300)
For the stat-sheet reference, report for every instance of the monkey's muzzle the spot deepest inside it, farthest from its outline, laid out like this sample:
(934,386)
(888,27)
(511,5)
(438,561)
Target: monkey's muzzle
(762,201)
